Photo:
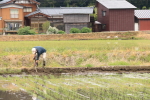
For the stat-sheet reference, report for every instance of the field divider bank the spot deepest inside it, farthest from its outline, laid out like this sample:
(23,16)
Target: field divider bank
(116,69)
(79,36)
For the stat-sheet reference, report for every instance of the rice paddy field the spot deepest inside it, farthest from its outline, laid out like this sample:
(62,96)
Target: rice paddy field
(101,86)
(78,53)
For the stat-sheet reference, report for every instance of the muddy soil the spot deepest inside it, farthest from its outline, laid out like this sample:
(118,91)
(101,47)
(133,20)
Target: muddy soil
(14,96)
(114,69)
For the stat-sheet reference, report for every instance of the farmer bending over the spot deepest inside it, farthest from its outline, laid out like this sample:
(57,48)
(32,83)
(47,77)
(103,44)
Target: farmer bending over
(37,51)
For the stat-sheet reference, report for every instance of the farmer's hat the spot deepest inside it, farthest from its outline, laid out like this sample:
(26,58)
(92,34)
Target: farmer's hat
(33,50)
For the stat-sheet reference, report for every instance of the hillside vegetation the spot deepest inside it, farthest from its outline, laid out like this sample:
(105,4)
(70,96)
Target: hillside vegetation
(145,4)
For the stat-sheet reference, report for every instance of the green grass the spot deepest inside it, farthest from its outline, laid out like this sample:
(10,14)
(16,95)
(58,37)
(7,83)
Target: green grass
(77,53)
(119,63)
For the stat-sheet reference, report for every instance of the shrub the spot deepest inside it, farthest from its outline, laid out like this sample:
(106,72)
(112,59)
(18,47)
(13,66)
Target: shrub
(45,26)
(85,30)
(52,30)
(74,30)
(89,65)
(61,32)
(26,31)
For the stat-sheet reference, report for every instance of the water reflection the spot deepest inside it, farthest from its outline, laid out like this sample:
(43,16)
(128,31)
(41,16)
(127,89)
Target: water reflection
(15,96)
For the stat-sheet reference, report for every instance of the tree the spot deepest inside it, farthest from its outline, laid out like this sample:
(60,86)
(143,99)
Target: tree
(45,26)
(144,7)
(67,2)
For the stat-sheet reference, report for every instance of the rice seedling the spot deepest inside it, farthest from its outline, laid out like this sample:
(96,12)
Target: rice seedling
(134,86)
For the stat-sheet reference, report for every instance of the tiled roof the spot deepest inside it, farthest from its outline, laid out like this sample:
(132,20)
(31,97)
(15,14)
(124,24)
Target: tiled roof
(51,10)
(10,4)
(4,1)
(77,10)
(63,10)
(35,12)
(142,14)
(116,4)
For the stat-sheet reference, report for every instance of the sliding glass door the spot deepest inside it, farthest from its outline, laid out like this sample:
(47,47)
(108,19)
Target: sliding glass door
(12,26)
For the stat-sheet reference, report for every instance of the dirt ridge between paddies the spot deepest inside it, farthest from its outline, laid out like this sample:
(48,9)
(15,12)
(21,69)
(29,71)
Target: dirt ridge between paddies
(116,69)
(79,36)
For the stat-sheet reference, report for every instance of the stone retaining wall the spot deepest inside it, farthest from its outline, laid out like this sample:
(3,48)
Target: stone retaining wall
(78,36)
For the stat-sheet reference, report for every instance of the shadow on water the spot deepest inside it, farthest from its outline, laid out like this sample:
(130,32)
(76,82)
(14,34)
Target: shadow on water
(14,96)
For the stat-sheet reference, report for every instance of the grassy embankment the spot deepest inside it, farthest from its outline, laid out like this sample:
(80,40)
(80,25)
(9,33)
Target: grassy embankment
(90,87)
(79,53)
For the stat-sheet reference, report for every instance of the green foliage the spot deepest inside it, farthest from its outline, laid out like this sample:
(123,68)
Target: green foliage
(74,30)
(26,31)
(89,65)
(144,7)
(61,32)
(66,3)
(85,30)
(45,26)
(119,63)
(94,14)
(84,3)
(52,30)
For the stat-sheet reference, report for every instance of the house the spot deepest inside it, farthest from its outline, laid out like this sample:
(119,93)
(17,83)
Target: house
(142,20)
(12,14)
(64,18)
(18,13)
(115,15)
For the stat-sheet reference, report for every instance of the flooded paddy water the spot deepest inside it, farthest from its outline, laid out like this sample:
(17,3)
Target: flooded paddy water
(6,95)
(77,86)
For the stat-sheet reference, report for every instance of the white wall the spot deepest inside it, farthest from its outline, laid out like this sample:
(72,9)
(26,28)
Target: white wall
(136,27)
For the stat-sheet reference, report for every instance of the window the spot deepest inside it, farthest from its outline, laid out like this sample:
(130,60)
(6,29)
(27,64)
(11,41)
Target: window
(12,26)
(28,9)
(103,13)
(14,13)
(37,26)
(103,26)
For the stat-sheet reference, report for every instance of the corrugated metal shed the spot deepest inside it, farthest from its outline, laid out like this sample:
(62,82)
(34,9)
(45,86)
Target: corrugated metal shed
(59,11)
(116,4)
(142,14)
